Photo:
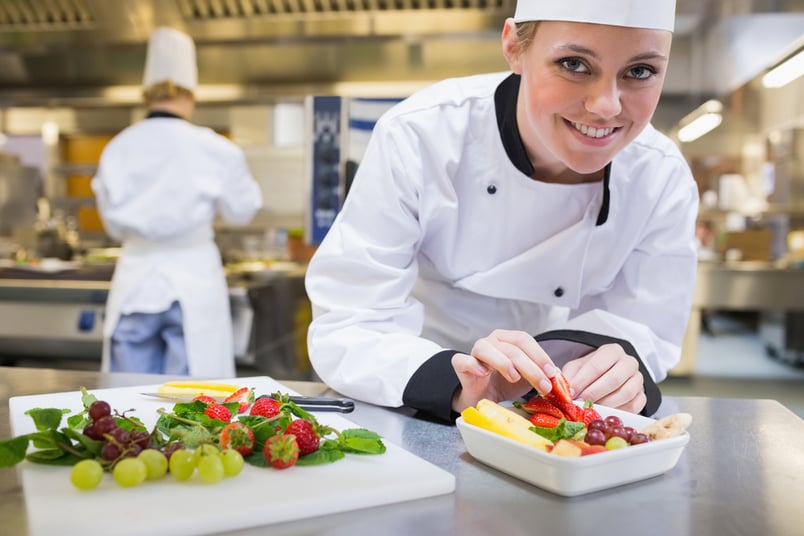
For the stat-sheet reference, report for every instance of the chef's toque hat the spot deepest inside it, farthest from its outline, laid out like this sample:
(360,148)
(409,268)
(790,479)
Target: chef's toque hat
(171,56)
(651,14)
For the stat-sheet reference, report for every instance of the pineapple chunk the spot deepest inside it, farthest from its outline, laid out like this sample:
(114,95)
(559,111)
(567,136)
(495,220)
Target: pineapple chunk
(495,418)
(196,388)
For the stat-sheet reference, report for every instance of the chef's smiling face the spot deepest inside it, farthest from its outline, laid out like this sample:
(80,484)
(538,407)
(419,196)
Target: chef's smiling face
(587,91)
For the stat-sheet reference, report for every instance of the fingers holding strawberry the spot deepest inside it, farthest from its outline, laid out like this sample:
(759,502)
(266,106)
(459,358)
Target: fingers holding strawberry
(561,397)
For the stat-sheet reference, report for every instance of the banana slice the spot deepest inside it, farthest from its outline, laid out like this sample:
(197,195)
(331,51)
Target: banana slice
(670,426)
(196,388)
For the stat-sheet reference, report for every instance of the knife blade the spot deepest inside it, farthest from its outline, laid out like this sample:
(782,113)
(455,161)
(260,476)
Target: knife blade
(308,403)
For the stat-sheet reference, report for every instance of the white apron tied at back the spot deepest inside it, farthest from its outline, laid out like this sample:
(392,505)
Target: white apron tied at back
(186,264)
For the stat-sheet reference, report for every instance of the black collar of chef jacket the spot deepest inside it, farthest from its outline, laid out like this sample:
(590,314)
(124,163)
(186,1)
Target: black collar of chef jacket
(505,104)
(161,113)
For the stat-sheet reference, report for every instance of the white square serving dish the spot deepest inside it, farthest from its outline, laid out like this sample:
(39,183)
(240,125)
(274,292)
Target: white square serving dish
(576,476)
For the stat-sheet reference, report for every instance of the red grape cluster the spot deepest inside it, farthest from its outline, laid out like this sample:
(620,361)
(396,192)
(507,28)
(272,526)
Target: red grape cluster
(601,430)
(119,442)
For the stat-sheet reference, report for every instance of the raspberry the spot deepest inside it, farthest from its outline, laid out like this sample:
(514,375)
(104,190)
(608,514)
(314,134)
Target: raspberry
(306,436)
(265,407)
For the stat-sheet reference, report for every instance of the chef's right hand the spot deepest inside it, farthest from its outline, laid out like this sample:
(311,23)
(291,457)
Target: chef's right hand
(503,366)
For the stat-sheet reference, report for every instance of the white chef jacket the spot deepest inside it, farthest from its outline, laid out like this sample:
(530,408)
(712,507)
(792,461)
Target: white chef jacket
(159,185)
(444,237)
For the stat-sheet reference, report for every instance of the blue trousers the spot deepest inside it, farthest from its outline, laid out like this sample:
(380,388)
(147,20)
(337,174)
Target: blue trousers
(150,343)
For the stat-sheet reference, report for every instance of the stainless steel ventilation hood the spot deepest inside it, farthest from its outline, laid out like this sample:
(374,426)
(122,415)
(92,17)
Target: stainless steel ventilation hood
(81,53)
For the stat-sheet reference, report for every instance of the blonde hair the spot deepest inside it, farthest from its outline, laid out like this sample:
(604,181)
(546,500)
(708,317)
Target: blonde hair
(164,91)
(525,32)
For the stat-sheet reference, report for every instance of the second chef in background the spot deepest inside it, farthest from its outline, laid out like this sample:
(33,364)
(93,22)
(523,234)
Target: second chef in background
(159,186)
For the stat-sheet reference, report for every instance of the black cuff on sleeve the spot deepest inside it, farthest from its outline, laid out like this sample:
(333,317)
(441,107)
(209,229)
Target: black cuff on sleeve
(432,386)
(652,392)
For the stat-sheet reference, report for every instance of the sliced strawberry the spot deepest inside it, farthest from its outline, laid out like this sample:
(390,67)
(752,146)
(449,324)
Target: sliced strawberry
(589,412)
(561,398)
(237,436)
(218,411)
(544,420)
(266,407)
(244,396)
(205,399)
(281,451)
(537,404)
(306,436)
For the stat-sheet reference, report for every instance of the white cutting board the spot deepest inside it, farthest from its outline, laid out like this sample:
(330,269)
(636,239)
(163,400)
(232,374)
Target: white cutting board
(257,496)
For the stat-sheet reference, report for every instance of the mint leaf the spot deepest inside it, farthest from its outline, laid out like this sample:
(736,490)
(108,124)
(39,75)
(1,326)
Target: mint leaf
(86,398)
(53,457)
(47,439)
(12,451)
(46,418)
(321,457)
(361,441)
(565,430)
(78,421)
(256,459)
(92,446)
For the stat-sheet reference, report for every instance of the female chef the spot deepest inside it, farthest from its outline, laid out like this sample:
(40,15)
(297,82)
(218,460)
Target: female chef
(159,185)
(504,226)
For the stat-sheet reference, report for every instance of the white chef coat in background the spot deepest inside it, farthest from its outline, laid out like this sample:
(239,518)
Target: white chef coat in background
(442,239)
(159,185)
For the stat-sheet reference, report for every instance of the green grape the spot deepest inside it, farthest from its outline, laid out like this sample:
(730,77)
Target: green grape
(130,472)
(204,450)
(182,464)
(616,442)
(210,468)
(86,474)
(232,462)
(155,462)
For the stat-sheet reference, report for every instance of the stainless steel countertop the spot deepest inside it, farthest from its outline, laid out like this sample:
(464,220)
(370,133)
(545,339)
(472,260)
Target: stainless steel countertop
(749,286)
(741,474)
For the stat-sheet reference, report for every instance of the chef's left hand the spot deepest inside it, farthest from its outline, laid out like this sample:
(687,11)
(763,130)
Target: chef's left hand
(607,376)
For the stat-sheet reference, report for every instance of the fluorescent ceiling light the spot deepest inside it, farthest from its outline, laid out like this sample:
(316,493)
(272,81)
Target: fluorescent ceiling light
(786,72)
(699,127)
(700,121)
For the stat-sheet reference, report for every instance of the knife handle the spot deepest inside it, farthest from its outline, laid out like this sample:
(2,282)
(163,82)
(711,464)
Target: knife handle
(321,403)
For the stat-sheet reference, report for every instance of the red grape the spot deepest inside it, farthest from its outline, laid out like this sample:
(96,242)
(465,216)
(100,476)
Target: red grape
(638,438)
(91,432)
(613,420)
(597,424)
(105,425)
(595,437)
(99,409)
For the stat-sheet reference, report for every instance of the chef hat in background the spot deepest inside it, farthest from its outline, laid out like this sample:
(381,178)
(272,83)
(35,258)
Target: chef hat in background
(651,14)
(171,56)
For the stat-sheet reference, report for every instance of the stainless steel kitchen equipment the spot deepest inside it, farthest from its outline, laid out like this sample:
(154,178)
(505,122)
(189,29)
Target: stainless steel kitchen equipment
(59,315)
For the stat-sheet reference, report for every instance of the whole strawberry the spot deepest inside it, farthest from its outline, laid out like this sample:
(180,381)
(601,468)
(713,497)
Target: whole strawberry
(218,411)
(206,399)
(237,436)
(281,451)
(266,407)
(306,436)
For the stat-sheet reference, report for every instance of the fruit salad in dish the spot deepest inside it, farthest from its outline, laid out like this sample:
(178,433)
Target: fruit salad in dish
(556,424)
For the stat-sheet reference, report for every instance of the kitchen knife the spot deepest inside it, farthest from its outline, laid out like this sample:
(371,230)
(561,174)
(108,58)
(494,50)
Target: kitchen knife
(308,403)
